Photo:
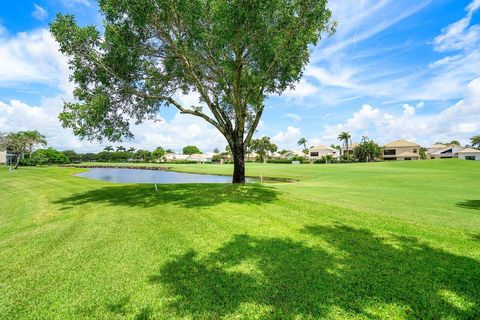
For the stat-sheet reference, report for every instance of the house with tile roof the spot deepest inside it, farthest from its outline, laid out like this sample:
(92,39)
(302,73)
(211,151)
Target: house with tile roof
(401,150)
(320,151)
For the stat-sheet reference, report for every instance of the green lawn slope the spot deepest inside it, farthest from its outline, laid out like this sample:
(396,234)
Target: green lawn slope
(397,240)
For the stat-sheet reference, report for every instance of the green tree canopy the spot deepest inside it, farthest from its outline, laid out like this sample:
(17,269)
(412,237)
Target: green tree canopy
(367,150)
(158,153)
(233,54)
(263,147)
(191,150)
(49,156)
(34,138)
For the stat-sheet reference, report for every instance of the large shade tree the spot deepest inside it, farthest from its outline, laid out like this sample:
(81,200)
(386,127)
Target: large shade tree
(232,54)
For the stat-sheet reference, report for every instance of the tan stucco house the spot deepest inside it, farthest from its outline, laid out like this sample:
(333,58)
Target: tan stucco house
(318,152)
(3,157)
(469,154)
(401,150)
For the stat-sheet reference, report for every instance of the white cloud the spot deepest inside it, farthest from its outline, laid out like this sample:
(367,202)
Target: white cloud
(301,90)
(361,20)
(346,70)
(33,57)
(459,121)
(444,61)
(460,34)
(287,139)
(39,13)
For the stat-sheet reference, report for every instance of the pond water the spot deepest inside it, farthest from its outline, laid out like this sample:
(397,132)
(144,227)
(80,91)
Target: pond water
(123,175)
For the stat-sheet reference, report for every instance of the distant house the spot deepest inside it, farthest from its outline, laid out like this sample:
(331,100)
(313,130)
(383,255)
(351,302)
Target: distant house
(351,146)
(320,151)
(469,154)
(201,157)
(170,157)
(291,154)
(3,157)
(436,147)
(447,152)
(7,158)
(401,150)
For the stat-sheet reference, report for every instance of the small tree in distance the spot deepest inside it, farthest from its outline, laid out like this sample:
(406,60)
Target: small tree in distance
(263,147)
(303,142)
(367,150)
(191,150)
(158,153)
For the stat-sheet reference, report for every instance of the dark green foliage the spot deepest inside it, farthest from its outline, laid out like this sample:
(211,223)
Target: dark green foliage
(423,153)
(72,156)
(191,150)
(367,150)
(142,155)
(158,153)
(49,156)
(263,147)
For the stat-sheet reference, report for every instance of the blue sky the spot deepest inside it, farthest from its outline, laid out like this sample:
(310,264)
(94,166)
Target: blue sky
(394,70)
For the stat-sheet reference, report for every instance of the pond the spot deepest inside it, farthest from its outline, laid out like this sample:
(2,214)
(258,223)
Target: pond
(123,175)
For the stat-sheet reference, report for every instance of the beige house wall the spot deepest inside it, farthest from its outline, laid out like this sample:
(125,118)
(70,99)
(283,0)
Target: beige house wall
(321,153)
(400,150)
(3,157)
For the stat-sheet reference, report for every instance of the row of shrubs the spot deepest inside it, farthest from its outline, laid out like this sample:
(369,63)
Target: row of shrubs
(44,157)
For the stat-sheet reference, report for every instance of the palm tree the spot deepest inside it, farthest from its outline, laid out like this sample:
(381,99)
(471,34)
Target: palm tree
(303,142)
(131,150)
(34,138)
(108,149)
(121,149)
(475,141)
(346,138)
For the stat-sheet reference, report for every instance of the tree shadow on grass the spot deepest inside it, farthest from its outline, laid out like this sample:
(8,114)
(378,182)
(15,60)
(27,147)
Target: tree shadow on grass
(184,195)
(469,204)
(355,274)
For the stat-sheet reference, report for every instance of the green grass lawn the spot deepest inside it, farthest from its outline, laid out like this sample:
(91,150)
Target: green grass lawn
(380,240)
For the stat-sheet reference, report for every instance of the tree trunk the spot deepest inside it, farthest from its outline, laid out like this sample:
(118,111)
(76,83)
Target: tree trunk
(17,162)
(238,152)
